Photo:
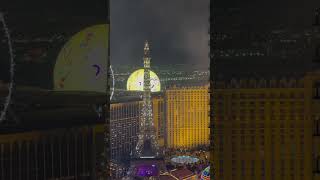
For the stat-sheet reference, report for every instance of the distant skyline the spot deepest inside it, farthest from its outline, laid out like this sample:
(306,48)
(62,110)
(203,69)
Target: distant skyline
(177,31)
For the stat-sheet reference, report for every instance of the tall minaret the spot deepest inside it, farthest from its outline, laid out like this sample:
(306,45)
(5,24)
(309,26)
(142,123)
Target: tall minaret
(147,145)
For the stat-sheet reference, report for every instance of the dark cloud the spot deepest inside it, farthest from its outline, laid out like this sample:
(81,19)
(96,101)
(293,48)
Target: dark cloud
(272,13)
(177,29)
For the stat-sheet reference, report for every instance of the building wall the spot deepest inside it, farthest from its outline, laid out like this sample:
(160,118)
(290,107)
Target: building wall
(159,117)
(313,89)
(124,128)
(53,154)
(265,129)
(187,118)
(125,117)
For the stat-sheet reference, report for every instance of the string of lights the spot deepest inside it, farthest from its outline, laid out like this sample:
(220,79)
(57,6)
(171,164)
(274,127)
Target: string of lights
(12,69)
(146,131)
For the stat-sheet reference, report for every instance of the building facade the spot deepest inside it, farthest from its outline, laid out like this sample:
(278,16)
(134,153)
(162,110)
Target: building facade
(267,128)
(158,105)
(187,118)
(124,127)
(125,117)
(66,153)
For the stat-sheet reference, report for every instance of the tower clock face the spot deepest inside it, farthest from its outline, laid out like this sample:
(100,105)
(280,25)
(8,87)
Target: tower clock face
(82,63)
(136,79)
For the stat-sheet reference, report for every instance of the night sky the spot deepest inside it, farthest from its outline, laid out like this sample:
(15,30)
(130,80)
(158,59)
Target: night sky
(270,13)
(243,20)
(38,19)
(176,29)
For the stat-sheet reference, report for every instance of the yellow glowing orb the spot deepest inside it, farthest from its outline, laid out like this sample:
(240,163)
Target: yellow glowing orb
(135,81)
(82,63)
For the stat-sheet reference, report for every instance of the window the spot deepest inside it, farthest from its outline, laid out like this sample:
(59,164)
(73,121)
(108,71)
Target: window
(317,90)
(317,54)
(317,165)
(317,127)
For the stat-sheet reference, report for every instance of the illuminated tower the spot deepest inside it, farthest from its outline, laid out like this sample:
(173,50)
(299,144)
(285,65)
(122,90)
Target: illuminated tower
(147,144)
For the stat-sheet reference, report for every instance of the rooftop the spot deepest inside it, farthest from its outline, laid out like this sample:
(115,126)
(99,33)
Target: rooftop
(34,108)
(167,177)
(182,173)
